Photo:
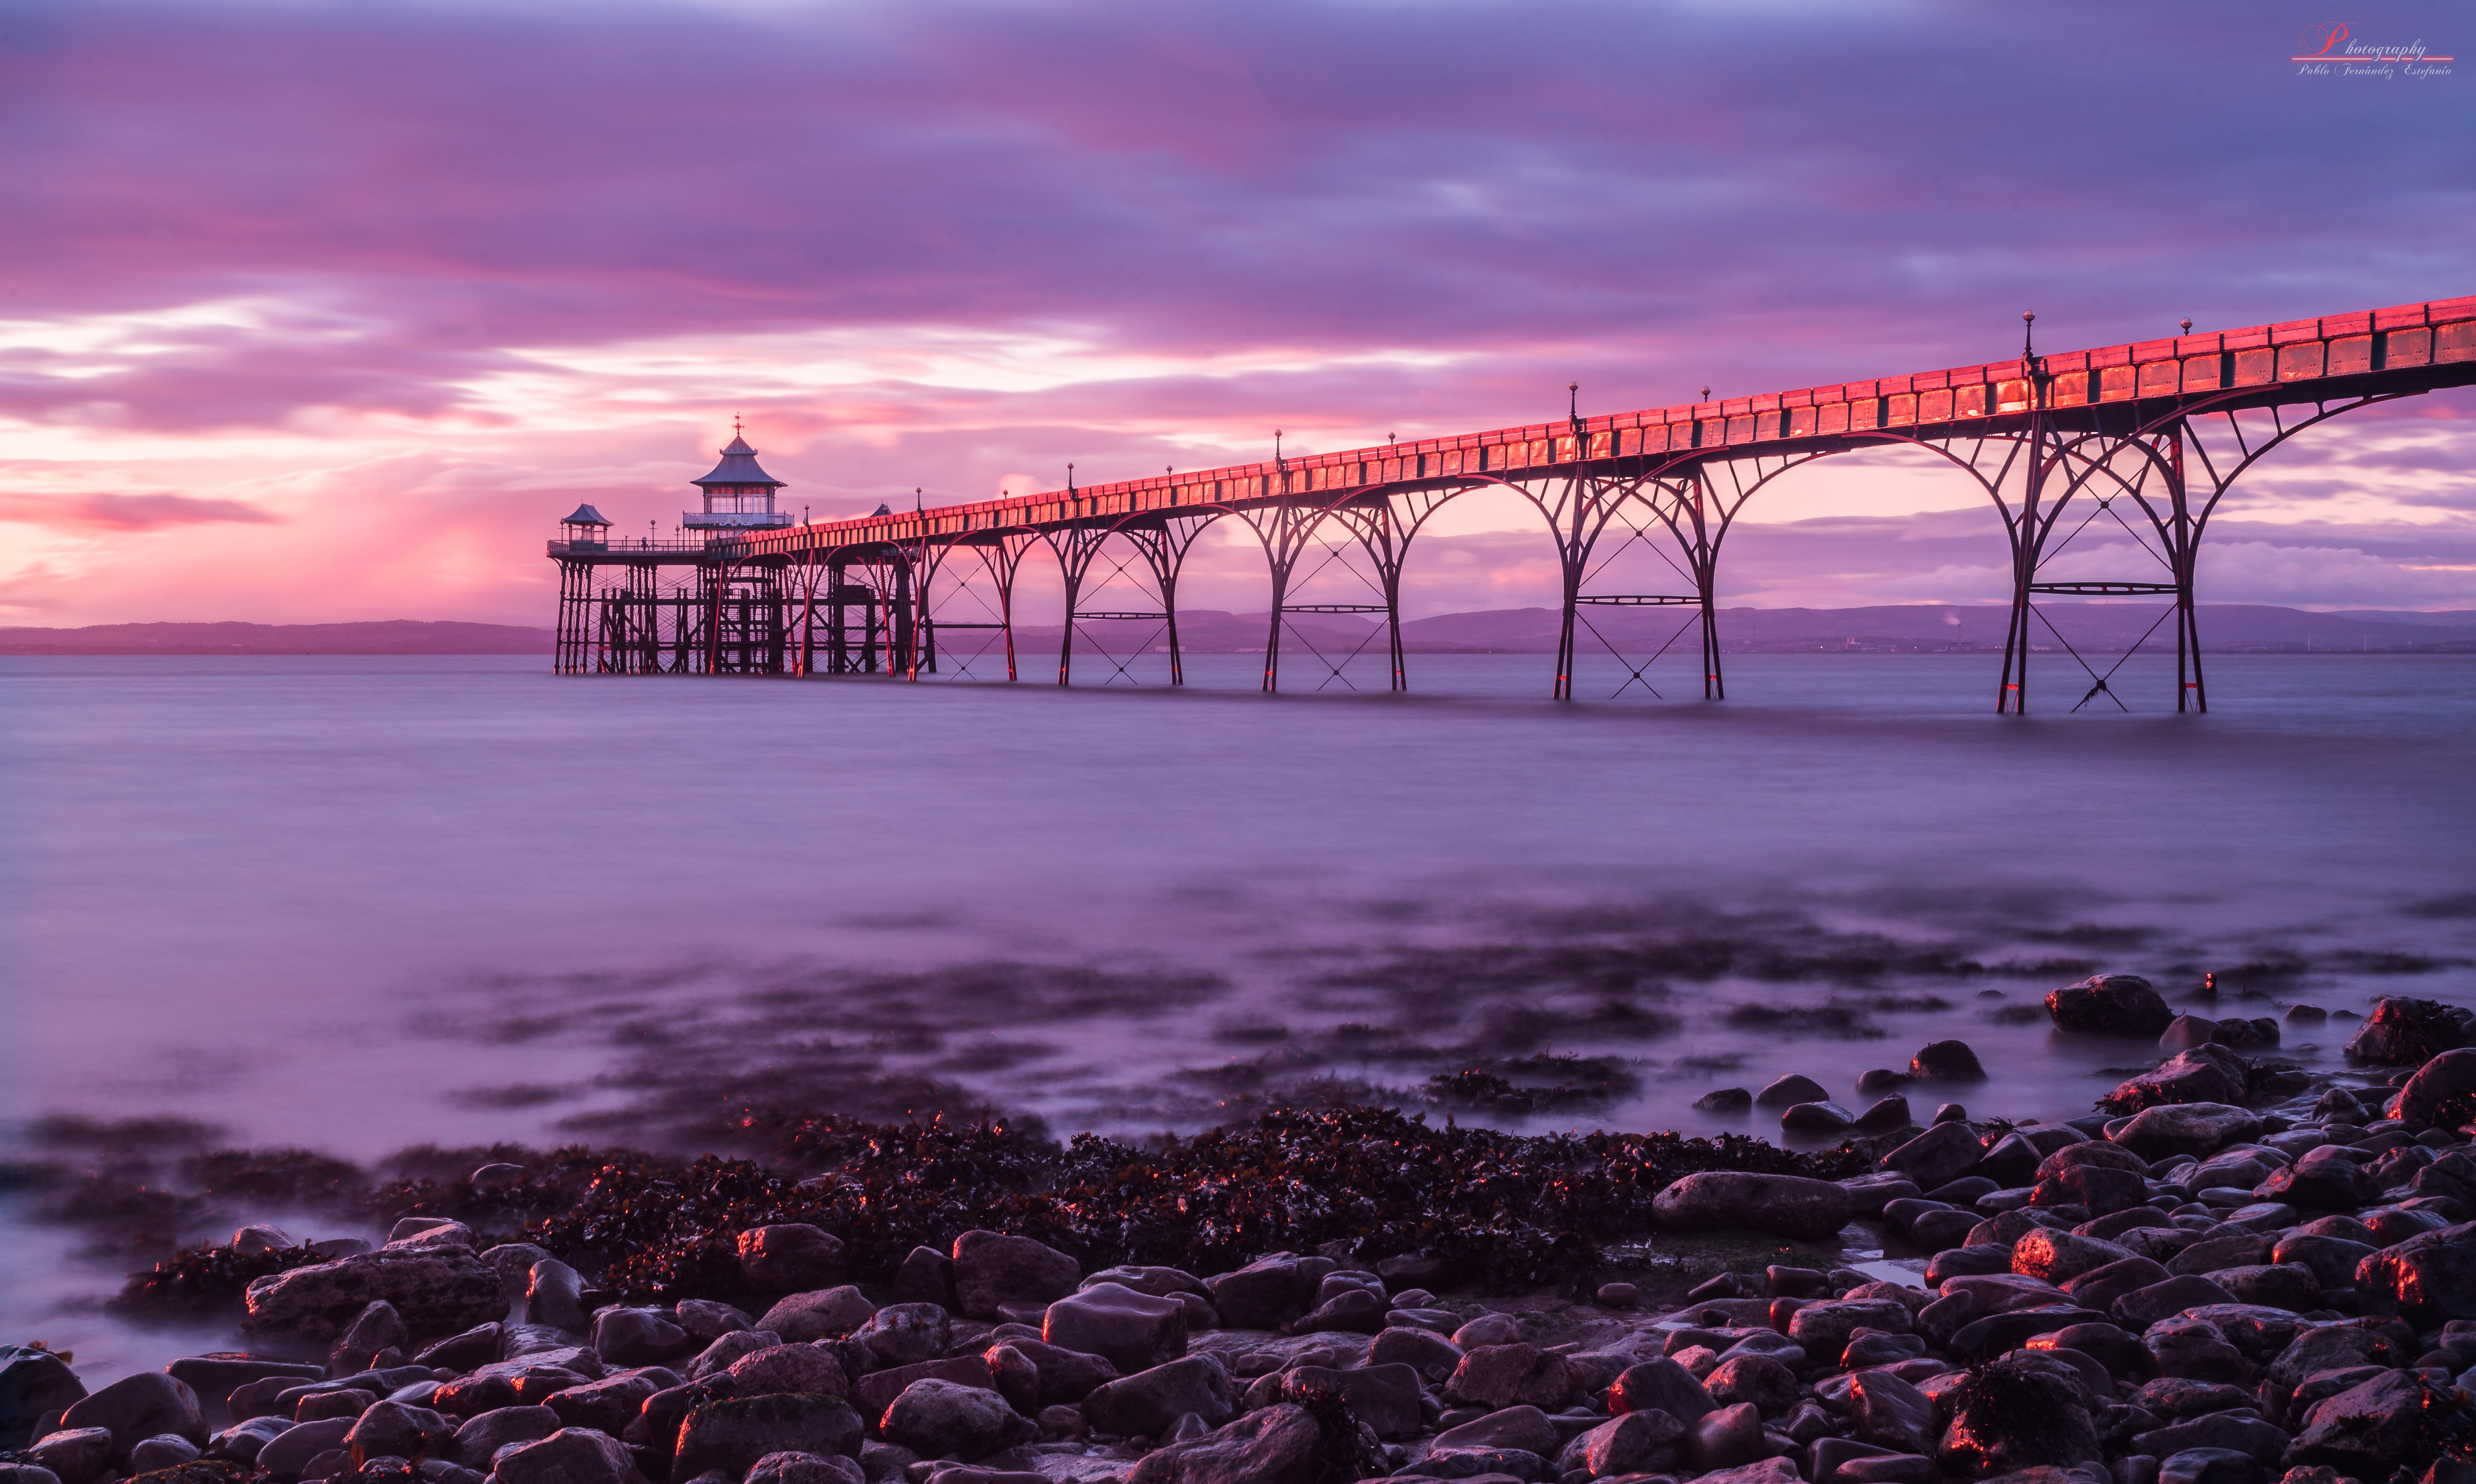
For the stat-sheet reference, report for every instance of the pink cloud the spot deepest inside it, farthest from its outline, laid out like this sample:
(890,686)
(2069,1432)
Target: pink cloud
(124,512)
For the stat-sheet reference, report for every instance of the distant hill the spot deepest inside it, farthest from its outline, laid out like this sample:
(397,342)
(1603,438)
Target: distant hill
(393,636)
(1891,628)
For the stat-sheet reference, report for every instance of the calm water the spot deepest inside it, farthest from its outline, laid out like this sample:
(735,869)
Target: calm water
(358,903)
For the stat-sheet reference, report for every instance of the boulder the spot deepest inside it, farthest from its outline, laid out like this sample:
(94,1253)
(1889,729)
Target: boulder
(1946,1061)
(636,1337)
(1769,1386)
(1785,1205)
(554,1296)
(571,1455)
(1634,1442)
(1519,1430)
(1822,1329)
(1279,1445)
(462,1351)
(2060,1256)
(1352,1310)
(1266,1294)
(2007,1415)
(1725,1439)
(992,1271)
(435,1290)
(376,1330)
(808,1469)
(728,1349)
(77,1455)
(2206,1466)
(825,1314)
(138,1407)
(1770,1470)
(941,1420)
(1423,1351)
(1511,1375)
(1134,1332)
(2237,1432)
(2366,1431)
(34,1383)
(2330,1260)
(1660,1385)
(605,1404)
(2102,1190)
(2201,1074)
(1725,1099)
(1938,1156)
(1149,1402)
(872,1393)
(2198,1128)
(731,1433)
(1891,1413)
(2109,1003)
(1033,1375)
(156,1454)
(791,1257)
(291,1451)
(2441,1095)
(393,1429)
(2428,1280)
(1791,1089)
(906,1334)
(2407,1033)
(1385,1397)
(480,1438)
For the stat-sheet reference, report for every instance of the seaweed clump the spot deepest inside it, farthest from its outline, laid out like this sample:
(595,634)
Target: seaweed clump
(201,1282)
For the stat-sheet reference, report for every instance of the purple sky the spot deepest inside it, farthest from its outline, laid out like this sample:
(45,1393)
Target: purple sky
(326,311)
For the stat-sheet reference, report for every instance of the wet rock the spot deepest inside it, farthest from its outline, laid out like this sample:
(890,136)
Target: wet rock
(2406,1034)
(2194,1351)
(478,1345)
(2270,1286)
(571,1455)
(2201,1074)
(906,1334)
(1488,1329)
(391,1430)
(705,1320)
(1786,1205)
(2060,1256)
(2330,1260)
(32,1383)
(2197,1129)
(1728,1438)
(1791,1089)
(435,1290)
(1033,1375)
(2237,1432)
(1661,1385)
(163,1452)
(1519,1430)
(431,1231)
(808,1469)
(605,1404)
(348,1401)
(291,1451)
(2209,1465)
(792,1257)
(1816,1118)
(2111,1004)
(138,1407)
(2103,1192)
(1510,1375)
(1266,1294)
(636,1337)
(1279,1445)
(2332,1348)
(1616,1296)
(1891,1413)
(1634,1442)
(1946,1061)
(1147,1402)
(825,1314)
(2008,1417)
(992,1271)
(1823,1329)
(1134,1332)
(2324,1185)
(1423,1351)
(2367,1430)
(479,1438)
(378,1327)
(941,1420)
(872,1393)
(2427,1279)
(242,1441)
(728,1349)
(2441,1095)
(1384,1397)
(1770,1470)
(731,1433)
(1725,1099)
(1772,1388)
(555,1296)
(1938,1156)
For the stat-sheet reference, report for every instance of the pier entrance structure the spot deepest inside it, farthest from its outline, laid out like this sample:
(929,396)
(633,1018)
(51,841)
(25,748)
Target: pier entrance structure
(2142,440)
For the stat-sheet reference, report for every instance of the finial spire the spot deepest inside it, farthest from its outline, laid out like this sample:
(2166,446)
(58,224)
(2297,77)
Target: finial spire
(2028,318)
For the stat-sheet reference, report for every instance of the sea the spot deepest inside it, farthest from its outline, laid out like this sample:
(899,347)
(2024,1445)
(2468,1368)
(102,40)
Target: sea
(360,904)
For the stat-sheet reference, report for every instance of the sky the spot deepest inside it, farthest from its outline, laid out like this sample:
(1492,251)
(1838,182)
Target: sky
(316,312)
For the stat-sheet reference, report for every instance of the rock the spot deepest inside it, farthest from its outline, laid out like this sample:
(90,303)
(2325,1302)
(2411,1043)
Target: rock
(391,1430)
(34,1383)
(1134,1332)
(1353,1311)
(555,1296)
(216,1378)
(1823,1329)
(2236,1432)
(571,1455)
(2426,1281)
(378,1327)
(1772,1388)
(1511,1375)
(1786,1205)
(2200,1073)
(430,1231)
(291,1451)
(482,1437)
(1047,1376)
(78,1455)
(2102,1191)
(2441,1095)
(636,1337)
(2060,1256)
(992,1271)
(1385,1397)
(1521,1429)
(463,1351)
(1725,1439)
(825,1314)
(1816,1118)
(605,1404)
(1938,1156)
(872,1393)
(2367,1430)
(1634,1442)
(1725,1099)
(926,1275)
(705,1320)
(808,1469)
(2007,1417)
(1489,1328)
(941,1420)
(164,1452)
(1266,1294)
(1146,1403)
(1279,1445)
(2271,1286)
(1661,1385)
(1891,1413)
(906,1334)
(1770,1470)
(2209,1465)
(2195,1128)
(242,1441)
(731,1433)
(1790,1089)
(138,1407)
(1946,1061)
(1884,1115)
(2406,1034)
(1423,1351)
(513,1263)
(728,1349)
(2330,1260)
(1616,1295)
(435,1290)
(792,1257)
(2111,1004)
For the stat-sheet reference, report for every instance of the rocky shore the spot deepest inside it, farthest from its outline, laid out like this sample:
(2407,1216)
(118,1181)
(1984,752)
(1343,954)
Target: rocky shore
(2235,1271)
